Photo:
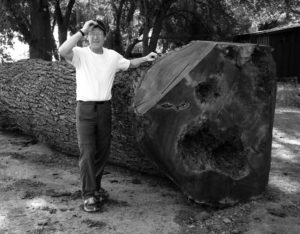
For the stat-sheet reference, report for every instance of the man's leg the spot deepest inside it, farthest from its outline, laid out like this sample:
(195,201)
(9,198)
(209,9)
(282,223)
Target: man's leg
(86,133)
(103,139)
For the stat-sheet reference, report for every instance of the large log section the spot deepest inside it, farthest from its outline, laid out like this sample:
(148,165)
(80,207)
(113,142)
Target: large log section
(207,112)
(204,115)
(39,98)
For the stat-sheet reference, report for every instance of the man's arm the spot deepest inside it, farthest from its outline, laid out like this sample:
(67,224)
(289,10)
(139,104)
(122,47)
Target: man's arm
(65,49)
(138,61)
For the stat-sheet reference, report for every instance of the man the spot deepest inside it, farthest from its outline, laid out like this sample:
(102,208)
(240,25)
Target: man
(95,71)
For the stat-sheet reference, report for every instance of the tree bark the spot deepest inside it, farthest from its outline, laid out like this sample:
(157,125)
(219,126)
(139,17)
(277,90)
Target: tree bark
(38,98)
(130,48)
(145,41)
(158,23)
(114,39)
(63,20)
(40,45)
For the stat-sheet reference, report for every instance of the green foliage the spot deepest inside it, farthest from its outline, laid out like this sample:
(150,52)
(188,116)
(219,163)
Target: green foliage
(91,9)
(5,38)
(168,22)
(13,12)
(5,43)
(25,18)
(267,13)
(202,20)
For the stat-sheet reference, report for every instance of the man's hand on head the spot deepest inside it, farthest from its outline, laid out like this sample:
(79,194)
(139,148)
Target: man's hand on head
(151,57)
(88,26)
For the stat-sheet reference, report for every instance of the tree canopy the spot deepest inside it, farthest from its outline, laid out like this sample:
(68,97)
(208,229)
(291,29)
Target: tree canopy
(153,24)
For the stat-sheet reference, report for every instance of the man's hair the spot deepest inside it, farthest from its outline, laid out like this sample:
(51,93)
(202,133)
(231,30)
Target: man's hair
(100,25)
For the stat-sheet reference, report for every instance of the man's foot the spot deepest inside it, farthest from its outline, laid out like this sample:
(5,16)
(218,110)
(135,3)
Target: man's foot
(91,205)
(101,195)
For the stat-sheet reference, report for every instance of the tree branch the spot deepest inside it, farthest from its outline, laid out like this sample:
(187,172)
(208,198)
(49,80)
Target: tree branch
(53,23)
(131,12)
(23,23)
(58,13)
(68,12)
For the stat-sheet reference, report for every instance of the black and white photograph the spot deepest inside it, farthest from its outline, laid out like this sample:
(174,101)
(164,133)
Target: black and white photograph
(149,116)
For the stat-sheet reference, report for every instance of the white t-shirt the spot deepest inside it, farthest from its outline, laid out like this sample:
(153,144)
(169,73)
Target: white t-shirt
(95,73)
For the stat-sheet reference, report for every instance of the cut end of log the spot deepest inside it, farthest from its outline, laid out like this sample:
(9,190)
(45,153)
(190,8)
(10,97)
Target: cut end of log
(210,108)
(204,148)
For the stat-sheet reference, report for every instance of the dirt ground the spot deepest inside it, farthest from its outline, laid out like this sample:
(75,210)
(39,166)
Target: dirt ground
(39,193)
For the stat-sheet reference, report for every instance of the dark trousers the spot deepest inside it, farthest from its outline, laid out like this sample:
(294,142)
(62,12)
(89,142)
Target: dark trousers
(93,124)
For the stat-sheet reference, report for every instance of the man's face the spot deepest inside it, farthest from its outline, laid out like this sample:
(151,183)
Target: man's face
(96,38)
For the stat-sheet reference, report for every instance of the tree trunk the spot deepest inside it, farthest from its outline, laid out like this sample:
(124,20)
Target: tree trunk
(130,48)
(40,45)
(203,114)
(62,34)
(145,40)
(158,23)
(114,41)
(63,20)
(155,33)
(38,97)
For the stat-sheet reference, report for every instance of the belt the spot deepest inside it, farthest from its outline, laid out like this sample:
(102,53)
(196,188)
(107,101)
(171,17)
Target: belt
(94,102)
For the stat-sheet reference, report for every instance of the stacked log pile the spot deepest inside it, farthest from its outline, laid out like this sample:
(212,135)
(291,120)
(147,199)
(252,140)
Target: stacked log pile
(38,97)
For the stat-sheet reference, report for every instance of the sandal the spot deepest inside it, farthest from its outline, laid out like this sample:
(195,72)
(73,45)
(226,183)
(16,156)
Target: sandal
(91,205)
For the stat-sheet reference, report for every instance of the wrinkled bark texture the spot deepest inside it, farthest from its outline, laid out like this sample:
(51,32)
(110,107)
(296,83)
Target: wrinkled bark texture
(39,98)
